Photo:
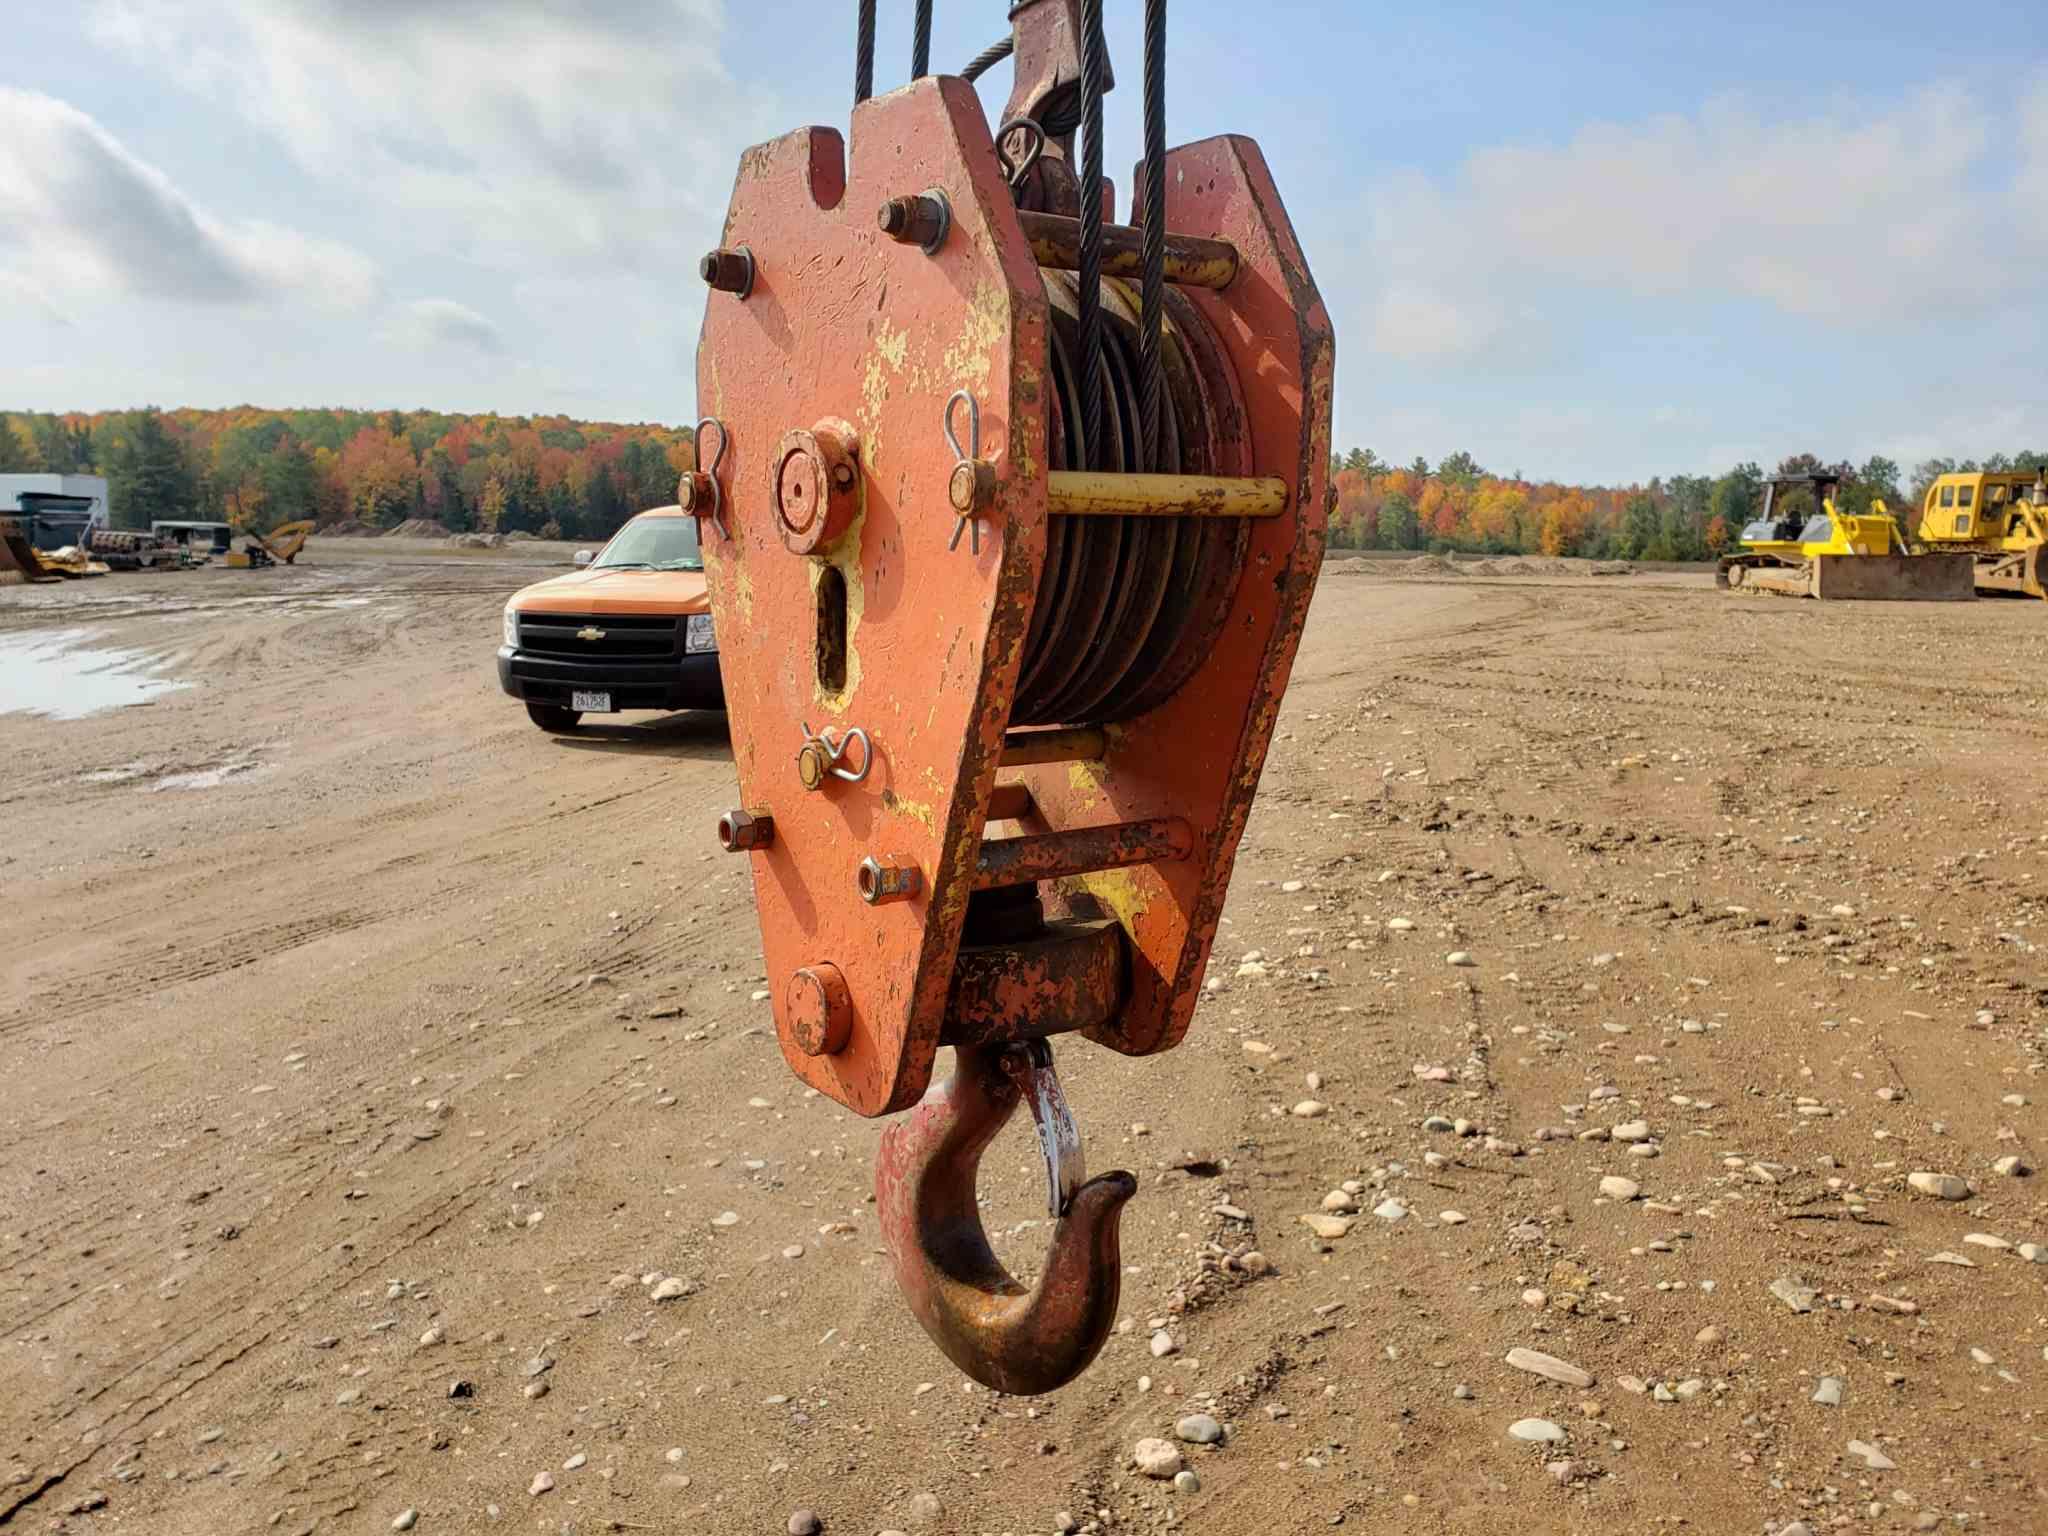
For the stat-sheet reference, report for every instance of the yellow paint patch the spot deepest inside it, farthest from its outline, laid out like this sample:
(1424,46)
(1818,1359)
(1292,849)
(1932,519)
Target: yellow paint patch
(967,360)
(727,574)
(917,811)
(1119,892)
(1087,778)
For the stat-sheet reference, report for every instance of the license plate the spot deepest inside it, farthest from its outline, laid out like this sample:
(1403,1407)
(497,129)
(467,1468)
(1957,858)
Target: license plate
(590,703)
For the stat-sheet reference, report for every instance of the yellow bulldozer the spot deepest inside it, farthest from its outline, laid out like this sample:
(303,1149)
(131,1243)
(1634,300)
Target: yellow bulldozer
(1803,544)
(1999,518)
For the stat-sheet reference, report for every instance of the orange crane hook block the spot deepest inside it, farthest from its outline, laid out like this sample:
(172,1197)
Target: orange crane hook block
(1011,525)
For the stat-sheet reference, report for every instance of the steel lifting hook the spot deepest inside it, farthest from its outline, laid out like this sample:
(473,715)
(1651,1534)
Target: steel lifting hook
(1005,1337)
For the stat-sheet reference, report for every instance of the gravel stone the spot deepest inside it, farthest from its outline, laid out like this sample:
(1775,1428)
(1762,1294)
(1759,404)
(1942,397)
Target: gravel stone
(1155,1457)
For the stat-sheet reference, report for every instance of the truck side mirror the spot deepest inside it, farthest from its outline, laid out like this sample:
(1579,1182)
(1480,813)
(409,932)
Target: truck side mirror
(584,556)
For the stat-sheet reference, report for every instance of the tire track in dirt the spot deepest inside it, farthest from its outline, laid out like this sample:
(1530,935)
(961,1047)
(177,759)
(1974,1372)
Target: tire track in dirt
(312,1276)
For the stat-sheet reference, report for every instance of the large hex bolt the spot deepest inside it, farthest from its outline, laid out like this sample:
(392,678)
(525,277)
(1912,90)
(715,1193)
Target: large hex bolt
(923,220)
(729,271)
(818,1010)
(883,880)
(741,831)
(815,485)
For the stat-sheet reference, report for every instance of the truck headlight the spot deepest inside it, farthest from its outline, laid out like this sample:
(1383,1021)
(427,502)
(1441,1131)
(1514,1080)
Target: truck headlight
(697,636)
(511,626)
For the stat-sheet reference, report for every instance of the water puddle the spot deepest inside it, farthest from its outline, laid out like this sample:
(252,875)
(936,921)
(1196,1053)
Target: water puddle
(53,673)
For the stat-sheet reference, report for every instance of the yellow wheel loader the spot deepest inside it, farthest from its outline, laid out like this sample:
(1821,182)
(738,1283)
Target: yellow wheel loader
(2000,519)
(1809,547)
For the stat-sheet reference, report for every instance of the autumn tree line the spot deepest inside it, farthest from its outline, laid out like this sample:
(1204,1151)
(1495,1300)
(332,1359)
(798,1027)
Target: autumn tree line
(546,475)
(560,478)
(1459,506)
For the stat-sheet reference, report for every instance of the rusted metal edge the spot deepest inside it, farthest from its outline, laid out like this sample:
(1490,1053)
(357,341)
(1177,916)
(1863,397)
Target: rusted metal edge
(1082,851)
(1191,260)
(1089,493)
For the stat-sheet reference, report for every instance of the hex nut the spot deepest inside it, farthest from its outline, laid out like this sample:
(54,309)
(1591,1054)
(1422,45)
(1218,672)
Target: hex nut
(741,831)
(881,881)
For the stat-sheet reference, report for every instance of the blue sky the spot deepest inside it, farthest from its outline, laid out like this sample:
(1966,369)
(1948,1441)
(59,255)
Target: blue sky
(1596,242)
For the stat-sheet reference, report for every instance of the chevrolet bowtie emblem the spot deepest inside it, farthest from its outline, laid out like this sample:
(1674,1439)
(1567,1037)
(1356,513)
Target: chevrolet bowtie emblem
(590,632)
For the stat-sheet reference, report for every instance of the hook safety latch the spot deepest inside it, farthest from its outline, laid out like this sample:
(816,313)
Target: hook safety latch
(972,485)
(700,491)
(989,1325)
(822,757)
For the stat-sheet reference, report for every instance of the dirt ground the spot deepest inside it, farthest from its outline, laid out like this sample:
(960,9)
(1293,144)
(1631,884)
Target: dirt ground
(370,1057)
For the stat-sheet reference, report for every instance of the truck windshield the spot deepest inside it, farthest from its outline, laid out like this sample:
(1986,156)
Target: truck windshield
(654,544)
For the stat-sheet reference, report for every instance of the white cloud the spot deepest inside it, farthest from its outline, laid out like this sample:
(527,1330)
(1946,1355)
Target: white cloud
(580,133)
(1412,321)
(438,324)
(1853,218)
(81,214)
(2030,186)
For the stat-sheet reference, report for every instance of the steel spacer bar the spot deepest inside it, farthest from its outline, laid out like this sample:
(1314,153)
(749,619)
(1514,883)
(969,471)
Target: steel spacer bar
(1083,851)
(1192,261)
(1095,493)
(1069,744)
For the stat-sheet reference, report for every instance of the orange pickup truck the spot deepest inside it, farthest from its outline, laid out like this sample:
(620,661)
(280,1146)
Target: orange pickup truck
(630,629)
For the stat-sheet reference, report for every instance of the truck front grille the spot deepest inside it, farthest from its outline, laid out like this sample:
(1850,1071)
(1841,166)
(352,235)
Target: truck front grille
(596,637)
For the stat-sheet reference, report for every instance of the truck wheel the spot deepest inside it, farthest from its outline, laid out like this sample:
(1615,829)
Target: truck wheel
(553,717)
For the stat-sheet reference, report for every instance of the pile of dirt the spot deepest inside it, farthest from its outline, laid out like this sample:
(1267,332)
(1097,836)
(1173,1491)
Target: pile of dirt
(478,540)
(349,528)
(419,528)
(1428,565)
(520,536)
(1611,568)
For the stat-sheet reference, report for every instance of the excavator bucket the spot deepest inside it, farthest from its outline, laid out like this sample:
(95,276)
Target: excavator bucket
(19,562)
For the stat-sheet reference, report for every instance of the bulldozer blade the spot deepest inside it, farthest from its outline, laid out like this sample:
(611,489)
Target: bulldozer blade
(2021,574)
(1930,578)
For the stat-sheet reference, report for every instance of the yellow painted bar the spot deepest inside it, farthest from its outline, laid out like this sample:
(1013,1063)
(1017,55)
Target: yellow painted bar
(1092,493)
(1069,744)
(1191,261)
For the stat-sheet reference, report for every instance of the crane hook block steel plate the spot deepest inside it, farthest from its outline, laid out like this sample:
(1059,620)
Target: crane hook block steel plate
(1006,774)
